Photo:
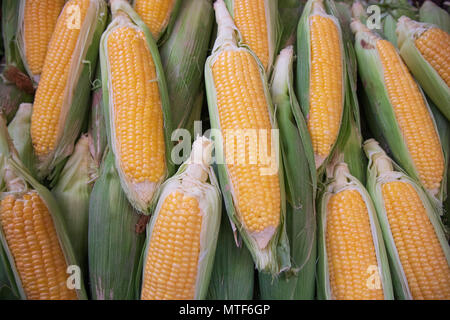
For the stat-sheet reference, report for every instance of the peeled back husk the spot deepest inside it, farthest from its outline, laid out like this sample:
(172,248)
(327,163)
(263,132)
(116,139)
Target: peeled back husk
(300,177)
(270,251)
(140,195)
(430,13)
(382,170)
(114,245)
(195,178)
(16,181)
(430,80)
(78,91)
(339,179)
(183,56)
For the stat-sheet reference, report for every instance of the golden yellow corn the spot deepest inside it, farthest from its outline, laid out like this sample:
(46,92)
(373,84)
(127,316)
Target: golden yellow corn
(155,14)
(242,105)
(413,117)
(350,247)
(434,45)
(419,250)
(326,85)
(48,102)
(138,113)
(250,19)
(34,245)
(40,18)
(172,262)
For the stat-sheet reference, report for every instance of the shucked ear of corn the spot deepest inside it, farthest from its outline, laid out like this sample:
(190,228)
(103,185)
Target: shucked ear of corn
(399,113)
(114,243)
(321,81)
(72,191)
(182,233)
(33,233)
(352,258)
(415,241)
(36,23)
(425,48)
(258,25)
(136,106)
(430,13)
(300,177)
(183,56)
(63,93)
(252,183)
(159,16)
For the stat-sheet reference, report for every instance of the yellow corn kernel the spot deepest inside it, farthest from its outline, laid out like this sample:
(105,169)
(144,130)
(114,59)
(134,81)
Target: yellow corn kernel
(418,247)
(352,260)
(172,261)
(40,18)
(241,104)
(413,117)
(137,106)
(434,45)
(45,126)
(34,245)
(155,14)
(325,93)
(250,19)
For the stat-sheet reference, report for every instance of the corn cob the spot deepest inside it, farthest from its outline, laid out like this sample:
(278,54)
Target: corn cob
(298,158)
(426,50)
(183,56)
(158,15)
(114,243)
(63,92)
(399,109)
(431,13)
(352,258)
(257,22)
(321,83)
(72,191)
(32,232)
(235,82)
(412,232)
(183,231)
(136,106)
(37,21)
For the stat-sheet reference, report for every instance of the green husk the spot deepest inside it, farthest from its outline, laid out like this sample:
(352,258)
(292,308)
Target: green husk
(389,27)
(75,107)
(274,255)
(380,111)
(183,56)
(141,197)
(8,289)
(97,128)
(273,28)
(289,12)
(165,33)
(338,181)
(380,171)
(196,178)
(232,276)
(19,131)
(114,245)
(430,80)
(300,177)
(431,13)
(72,192)
(16,180)
(328,9)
